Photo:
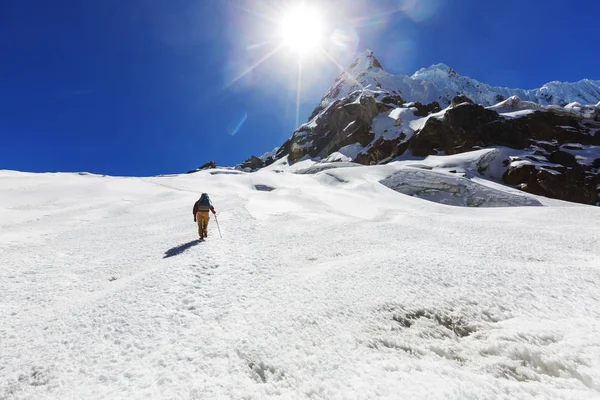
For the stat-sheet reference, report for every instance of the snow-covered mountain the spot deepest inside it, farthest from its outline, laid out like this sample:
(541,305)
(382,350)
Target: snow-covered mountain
(441,83)
(329,282)
(548,137)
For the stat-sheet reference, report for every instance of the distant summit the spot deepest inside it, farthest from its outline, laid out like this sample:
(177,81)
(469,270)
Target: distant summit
(442,83)
(435,68)
(365,61)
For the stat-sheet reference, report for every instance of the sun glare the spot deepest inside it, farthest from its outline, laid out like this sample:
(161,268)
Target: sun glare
(301,29)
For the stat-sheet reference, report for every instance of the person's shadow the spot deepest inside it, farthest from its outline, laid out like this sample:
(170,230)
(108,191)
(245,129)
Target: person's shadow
(175,251)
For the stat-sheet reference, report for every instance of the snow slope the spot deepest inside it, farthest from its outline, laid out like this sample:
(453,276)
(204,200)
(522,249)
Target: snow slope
(325,285)
(441,83)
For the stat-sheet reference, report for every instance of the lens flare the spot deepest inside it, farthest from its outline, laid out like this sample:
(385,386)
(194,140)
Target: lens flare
(420,10)
(346,39)
(239,125)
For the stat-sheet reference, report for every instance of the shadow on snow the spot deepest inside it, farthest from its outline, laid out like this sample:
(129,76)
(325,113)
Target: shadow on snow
(175,251)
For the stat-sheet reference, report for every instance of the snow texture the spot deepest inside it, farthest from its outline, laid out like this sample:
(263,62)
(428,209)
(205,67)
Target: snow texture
(329,285)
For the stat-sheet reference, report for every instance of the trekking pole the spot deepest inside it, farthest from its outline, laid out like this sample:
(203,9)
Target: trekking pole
(217,221)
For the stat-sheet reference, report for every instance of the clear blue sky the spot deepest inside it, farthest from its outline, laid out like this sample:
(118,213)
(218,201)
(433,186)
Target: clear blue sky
(143,87)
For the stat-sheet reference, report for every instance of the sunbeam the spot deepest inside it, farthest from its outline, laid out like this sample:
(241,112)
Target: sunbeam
(255,14)
(259,45)
(352,78)
(256,64)
(373,20)
(298,89)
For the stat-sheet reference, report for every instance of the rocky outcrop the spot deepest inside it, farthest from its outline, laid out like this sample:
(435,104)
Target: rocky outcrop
(252,163)
(562,158)
(470,126)
(462,128)
(425,110)
(460,99)
(552,171)
(576,184)
(344,122)
(382,150)
(208,165)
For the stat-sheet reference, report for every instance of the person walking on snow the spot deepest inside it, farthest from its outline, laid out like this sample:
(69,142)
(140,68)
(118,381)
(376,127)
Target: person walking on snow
(201,209)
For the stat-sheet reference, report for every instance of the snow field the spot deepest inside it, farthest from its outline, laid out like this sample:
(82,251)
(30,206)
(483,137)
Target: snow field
(326,285)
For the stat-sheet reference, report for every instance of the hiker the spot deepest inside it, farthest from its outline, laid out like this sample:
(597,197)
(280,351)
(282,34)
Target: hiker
(201,209)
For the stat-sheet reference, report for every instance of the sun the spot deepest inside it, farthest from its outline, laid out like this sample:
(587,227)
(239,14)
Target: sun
(301,29)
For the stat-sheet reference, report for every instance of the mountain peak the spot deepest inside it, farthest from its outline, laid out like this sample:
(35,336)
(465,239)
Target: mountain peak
(365,61)
(440,69)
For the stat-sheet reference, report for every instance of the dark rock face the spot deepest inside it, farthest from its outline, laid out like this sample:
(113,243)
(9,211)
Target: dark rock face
(460,99)
(345,122)
(390,101)
(208,165)
(470,126)
(553,127)
(425,110)
(382,150)
(519,175)
(253,163)
(562,158)
(574,185)
(462,128)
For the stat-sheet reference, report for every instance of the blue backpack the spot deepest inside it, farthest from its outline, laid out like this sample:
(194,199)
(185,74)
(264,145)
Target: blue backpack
(204,203)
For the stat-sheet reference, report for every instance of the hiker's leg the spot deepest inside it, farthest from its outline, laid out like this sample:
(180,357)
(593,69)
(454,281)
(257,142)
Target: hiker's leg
(205,223)
(199,221)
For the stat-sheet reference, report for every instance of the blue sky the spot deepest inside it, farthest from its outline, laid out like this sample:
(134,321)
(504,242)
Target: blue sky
(144,87)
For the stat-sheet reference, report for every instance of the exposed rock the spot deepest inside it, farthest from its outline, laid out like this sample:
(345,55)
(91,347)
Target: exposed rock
(572,185)
(253,163)
(460,99)
(382,150)
(391,100)
(208,165)
(345,122)
(520,174)
(462,128)
(270,160)
(562,158)
(470,126)
(425,110)
(596,163)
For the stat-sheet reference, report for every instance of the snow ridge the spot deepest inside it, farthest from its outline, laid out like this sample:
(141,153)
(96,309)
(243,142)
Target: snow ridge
(442,83)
